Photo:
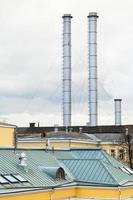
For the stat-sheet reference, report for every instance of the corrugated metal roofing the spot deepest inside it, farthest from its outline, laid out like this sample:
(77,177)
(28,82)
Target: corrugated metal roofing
(121,177)
(96,154)
(91,171)
(69,135)
(87,166)
(110,137)
(35,177)
(91,154)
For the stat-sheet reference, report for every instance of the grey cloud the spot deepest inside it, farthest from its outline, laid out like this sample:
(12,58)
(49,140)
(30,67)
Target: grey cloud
(31,59)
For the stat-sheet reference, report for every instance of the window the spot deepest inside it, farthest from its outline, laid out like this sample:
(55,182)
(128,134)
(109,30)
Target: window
(19,178)
(121,154)
(3,180)
(124,170)
(113,153)
(60,174)
(129,170)
(10,178)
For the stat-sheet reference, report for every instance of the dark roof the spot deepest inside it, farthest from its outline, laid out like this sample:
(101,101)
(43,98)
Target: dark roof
(109,137)
(69,135)
(85,129)
(60,135)
(6,124)
(103,133)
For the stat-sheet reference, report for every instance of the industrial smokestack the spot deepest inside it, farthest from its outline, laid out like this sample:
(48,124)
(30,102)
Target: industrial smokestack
(117,112)
(67,70)
(93,107)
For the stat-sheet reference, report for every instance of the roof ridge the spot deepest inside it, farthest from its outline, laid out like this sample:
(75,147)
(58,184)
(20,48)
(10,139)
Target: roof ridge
(108,157)
(123,181)
(103,163)
(79,159)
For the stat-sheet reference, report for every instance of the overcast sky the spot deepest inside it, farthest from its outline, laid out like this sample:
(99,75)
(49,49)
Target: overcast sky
(31,60)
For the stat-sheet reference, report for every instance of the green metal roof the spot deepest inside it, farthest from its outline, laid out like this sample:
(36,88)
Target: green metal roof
(91,171)
(34,175)
(82,166)
(96,153)
(96,171)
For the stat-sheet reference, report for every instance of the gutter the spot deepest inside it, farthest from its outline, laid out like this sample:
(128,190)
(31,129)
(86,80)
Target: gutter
(51,194)
(119,193)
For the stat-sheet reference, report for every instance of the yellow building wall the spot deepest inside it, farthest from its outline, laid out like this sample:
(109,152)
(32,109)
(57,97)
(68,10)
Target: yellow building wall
(6,136)
(64,193)
(79,144)
(72,144)
(80,192)
(108,148)
(64,144)
(98,193)
(31,145)
(28,196)
(127,192)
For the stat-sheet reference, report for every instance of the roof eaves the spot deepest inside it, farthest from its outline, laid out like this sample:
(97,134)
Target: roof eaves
(7,125)
(92,183)
(120,183)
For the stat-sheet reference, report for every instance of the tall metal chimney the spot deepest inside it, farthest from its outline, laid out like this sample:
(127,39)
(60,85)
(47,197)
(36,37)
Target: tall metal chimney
(117,112)
(93,107)
(67,70)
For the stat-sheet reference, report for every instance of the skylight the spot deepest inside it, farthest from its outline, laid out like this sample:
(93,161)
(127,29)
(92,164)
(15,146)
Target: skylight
(10,178)
(129,170)
(19,178)
(124,170)
(3,180)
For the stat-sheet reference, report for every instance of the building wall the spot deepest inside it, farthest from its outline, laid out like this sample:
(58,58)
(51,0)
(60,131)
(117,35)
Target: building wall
(74,192)
(55,144)
(111,148)
(6,136)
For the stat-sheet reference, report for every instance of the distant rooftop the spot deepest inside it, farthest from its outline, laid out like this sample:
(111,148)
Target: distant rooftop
(6,124)
(70,135)
(111,134)
(33,128)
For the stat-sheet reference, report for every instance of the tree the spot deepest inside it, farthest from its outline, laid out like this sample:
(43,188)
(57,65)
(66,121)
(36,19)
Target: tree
(127,145)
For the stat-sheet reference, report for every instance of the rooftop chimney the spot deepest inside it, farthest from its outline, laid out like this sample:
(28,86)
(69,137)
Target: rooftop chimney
(32,124)
(117,112)
(93,110)
(67,70)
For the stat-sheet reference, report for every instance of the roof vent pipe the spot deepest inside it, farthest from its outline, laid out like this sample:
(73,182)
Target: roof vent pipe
(23,159)
(66,129)
(92,20)
(117,112)
(80,130)
(47,145)
(56,128)
(67,70)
